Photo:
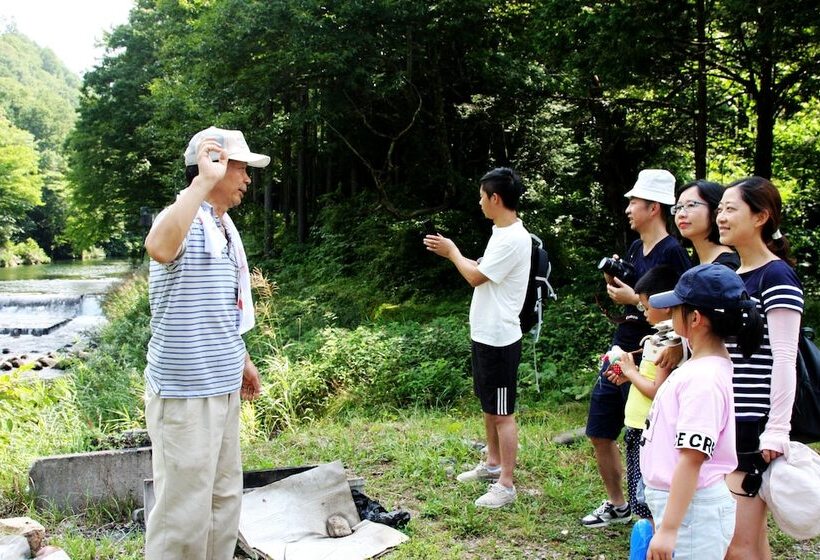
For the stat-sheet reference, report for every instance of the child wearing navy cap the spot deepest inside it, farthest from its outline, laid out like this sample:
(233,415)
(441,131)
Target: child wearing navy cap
(689,440)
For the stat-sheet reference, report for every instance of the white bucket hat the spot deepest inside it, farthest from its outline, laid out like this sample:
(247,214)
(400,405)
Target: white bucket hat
(657,185)
(233,141)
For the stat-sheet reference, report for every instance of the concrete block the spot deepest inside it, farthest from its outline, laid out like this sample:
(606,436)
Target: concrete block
(52,553)
(74,481)
(26,527)
(14,547)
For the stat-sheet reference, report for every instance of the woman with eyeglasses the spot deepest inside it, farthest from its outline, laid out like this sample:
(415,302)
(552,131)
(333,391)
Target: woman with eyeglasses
(695,212)
(764,384)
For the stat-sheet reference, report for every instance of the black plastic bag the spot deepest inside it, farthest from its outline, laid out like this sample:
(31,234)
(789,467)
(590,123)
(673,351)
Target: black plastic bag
(373,511)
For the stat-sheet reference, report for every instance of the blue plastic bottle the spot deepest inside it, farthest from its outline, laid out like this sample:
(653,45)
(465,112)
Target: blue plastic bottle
(639,542)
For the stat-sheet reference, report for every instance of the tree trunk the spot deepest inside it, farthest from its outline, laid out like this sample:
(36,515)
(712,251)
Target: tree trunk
(268,247)
(701,114)
(287,177)
(354,179)
(764,100)
(301,173)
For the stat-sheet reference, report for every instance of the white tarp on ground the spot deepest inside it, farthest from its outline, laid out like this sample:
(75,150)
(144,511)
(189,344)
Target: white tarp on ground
(286,520)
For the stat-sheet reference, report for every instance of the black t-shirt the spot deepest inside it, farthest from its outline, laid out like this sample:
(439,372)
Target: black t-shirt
(667,251)
(730,259)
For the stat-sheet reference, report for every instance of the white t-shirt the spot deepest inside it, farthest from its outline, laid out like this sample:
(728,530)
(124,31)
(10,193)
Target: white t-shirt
(497,303)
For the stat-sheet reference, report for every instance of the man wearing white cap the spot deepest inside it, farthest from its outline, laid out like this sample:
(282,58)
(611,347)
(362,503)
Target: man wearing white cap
(649,202)
(198,368)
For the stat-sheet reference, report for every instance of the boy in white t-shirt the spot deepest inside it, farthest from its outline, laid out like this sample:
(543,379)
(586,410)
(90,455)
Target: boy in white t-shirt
(500,280)
(689,441)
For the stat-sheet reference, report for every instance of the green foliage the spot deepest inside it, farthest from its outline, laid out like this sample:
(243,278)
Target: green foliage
(36,418)
(20,179)
(47,222)
(114,174)
(38,94)
(798,151)
(574,335)
(25,252)
(109,384)
(396,364)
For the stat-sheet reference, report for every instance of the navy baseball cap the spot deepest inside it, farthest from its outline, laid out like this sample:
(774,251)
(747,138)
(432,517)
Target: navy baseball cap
(706,286)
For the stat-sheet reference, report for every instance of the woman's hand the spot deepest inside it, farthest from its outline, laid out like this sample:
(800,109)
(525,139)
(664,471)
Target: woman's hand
(770,455)
(669,357)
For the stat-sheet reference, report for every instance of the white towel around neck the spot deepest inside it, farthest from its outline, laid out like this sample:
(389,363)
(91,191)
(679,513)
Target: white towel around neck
(215,243)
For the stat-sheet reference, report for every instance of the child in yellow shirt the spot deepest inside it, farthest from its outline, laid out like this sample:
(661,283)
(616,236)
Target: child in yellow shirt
(646,379)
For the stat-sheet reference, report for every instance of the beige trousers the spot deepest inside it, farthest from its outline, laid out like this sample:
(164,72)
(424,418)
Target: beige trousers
(197,477)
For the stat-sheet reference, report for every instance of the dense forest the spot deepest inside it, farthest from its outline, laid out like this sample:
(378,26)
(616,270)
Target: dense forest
(380,115)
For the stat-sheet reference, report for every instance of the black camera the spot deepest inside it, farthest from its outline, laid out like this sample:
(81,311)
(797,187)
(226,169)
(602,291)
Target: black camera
(619,269)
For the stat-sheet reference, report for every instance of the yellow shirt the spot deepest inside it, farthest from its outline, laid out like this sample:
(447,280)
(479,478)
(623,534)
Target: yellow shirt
(637,404)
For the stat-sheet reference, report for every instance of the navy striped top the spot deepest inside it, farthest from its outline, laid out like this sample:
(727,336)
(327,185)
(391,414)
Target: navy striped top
(773,285)
(195,348)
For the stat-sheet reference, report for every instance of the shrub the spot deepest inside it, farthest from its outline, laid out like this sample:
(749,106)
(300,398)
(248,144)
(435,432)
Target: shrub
(574,334)
(36,418)
(25,252)
(110,383)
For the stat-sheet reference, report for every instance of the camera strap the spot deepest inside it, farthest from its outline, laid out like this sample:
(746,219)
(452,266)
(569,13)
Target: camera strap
(615,319)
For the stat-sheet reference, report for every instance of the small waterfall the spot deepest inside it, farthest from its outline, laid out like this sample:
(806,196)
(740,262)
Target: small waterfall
(41,314)
(53,308)
(36,315)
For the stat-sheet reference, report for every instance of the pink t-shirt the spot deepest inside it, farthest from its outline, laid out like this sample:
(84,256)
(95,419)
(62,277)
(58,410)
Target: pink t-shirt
(693,409)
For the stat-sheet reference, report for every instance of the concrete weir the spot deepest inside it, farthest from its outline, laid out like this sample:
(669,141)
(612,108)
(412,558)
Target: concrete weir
(36,314)
(72,482)
(75,481)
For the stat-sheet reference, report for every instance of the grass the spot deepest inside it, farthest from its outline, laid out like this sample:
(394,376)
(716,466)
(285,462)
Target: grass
(315,409)
(409,459)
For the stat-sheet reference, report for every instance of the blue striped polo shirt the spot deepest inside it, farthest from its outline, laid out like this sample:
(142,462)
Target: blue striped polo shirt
(195,348)
(772,286)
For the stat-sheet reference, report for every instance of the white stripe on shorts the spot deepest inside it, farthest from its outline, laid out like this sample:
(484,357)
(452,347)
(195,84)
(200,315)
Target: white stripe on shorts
(501,406)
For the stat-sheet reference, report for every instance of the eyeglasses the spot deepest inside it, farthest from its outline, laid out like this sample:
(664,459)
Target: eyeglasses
(687,207)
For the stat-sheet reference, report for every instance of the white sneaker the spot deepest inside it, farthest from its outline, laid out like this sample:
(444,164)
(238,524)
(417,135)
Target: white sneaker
(497,496)
(480,472)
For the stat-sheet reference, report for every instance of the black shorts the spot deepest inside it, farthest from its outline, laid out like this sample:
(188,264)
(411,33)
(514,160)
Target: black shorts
(749,457)
(605,419)
(747,445)
(495,376)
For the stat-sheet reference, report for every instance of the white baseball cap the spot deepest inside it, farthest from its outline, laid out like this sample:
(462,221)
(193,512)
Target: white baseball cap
(233,141)
(657,185)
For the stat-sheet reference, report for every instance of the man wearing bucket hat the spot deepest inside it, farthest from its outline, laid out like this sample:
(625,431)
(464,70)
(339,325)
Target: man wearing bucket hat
(197,366)
(649,202)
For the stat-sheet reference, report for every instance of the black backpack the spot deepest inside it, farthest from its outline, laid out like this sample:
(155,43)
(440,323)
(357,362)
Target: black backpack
(806,410)
(538,289)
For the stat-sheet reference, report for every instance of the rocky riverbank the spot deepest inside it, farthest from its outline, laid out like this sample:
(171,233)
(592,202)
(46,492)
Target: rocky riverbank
(46,365)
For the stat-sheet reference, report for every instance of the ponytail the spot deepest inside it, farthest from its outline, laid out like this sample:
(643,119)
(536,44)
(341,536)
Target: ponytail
(743,325)
(781,248)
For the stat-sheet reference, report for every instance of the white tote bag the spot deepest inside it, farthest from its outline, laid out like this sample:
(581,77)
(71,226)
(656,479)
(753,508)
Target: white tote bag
(791,489)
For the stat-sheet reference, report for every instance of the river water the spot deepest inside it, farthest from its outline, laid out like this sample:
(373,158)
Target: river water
(43,308)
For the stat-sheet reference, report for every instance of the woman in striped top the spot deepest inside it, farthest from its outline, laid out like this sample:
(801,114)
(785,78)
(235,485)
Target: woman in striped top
(749,220)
